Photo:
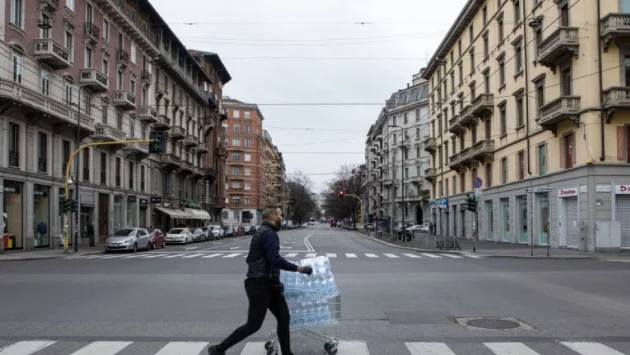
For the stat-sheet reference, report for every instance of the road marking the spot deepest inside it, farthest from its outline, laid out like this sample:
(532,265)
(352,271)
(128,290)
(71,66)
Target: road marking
(110,256)
(283,247)
(103,348)
(211,256)
(429,349)
(291,255)
(182,347)
(371,255)
(190,248)
(253,348)
(586,348)
(353,347)
(414,256)
(131,256)
(232,255)
(394,256)
(26,347)
(351,255)
(192,256)
(311,255)
(173,256)
(472,256)
(232,248)
(510,349)
(452,256)
(431,255)
(331,255)
(151,256)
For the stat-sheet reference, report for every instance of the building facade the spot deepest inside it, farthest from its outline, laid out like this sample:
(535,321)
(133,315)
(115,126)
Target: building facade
(274,173)
(530,103)
(396,159)
(84,72)
(215,159)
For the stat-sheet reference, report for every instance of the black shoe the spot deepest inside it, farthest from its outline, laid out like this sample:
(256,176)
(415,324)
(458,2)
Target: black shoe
(213,351)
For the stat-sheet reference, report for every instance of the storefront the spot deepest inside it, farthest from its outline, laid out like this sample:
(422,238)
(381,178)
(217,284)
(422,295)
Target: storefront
(504,204)
(131,211)
(522,220)
(41,216)
(543,217)
(489,221)
(144,206)
(87,212)
(622,212)
(12,217)
(118,212)
(568,217)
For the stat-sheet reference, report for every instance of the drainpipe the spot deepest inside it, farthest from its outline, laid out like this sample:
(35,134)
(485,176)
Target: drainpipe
(601,82)
(526,93)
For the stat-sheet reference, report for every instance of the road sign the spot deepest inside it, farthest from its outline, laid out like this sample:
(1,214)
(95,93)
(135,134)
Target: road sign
(477,182)
(478,191)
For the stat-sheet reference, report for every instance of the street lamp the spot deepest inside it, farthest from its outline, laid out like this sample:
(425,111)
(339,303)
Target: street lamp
(77,143)
(402,175)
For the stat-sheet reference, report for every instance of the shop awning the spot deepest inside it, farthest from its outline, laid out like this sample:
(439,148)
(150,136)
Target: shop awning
(198,214)
(176,214)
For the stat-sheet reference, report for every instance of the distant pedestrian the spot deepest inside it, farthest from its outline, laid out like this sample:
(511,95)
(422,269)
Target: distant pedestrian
(90,233)
(262,284)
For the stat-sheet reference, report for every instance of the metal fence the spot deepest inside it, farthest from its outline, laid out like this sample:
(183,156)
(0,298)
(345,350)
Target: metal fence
(417,240)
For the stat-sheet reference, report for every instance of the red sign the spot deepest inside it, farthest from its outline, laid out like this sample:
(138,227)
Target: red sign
(622,189)
(568,192)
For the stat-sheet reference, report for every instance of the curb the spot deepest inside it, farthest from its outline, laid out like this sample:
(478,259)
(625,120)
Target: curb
(434,251)
(542,257)
(48,257)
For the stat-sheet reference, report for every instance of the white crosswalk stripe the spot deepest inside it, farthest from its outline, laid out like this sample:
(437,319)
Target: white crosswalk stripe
(192,256)
(452,256)
(311,255)
(331,255)
(431,255)
(291,255)
(393,256)
(209,256)
(233,255)
(351,255)
(345,347)
(371,255)
(413,256)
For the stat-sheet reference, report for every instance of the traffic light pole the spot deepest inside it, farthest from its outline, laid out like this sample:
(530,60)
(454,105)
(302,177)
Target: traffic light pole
(473,206)
(360,203)
(66,217)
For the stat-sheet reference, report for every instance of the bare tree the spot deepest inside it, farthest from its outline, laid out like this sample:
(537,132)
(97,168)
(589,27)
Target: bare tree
(349,179)
(301,202)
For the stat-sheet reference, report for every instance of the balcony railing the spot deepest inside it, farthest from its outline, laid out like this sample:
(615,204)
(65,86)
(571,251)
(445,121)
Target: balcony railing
(178,132)
(50,52)
(483,148)
(223,114)
(430,174)
(454,126)
(615,28)
(122,57)
(162,123)
(170,161)
(146,76)
(617,97)
(430,144)
(125,100)
(95,80)
(466,156)
(92,32)
(455,162)
(190,141)
(50,5)
(160,89)
(560,44)
(148,114)
(107,133)
(564,107)
(482,106)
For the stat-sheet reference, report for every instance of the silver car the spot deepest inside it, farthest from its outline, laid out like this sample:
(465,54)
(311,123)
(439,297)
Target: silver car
(127,239)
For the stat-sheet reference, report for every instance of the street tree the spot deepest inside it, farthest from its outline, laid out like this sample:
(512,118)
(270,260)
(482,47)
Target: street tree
(349,179)
(301,203)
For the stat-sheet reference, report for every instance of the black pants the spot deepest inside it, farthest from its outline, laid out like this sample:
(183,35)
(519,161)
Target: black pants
(263,295)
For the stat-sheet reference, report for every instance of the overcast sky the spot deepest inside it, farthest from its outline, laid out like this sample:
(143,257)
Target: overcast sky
(246,33)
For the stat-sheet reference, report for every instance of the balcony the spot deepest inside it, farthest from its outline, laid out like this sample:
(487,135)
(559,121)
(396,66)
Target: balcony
(222,152)
(558,110)
(466,156)
(186,168)
(140,150)
(617,98)
(92,33)
(197,173)
(177,132)
(482,149)
(148,114)
(558,46)
(482,105)
(454,125)
(615,28)
(190,141)
(94,80)
(146,77)
(430,174)
(122,58)
(51,53)
(202,148)
(430,144)
(49,5)
(170,161)
(107,133)
(163,123)
(454,162)
(223,114)
(125,100)
(160,89)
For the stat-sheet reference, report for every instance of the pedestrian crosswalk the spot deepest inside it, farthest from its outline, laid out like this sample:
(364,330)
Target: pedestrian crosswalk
(345,347)
(289,256)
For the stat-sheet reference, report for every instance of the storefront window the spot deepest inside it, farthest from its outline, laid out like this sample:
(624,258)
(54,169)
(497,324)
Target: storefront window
(490,220)
(118,215)
(12,215)
(131,212)
(522,219)
(544,218)
(41,216)
(505,220)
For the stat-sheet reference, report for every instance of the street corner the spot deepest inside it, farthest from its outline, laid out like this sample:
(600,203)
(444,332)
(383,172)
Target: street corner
(456,252)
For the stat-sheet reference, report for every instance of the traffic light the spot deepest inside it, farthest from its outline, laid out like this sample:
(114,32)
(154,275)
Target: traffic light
(74,206)
(472,204)
(158,142)
(340,194)
(66,204)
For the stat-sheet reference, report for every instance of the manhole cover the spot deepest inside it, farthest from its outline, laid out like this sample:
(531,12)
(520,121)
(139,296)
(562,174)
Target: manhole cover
(493,323)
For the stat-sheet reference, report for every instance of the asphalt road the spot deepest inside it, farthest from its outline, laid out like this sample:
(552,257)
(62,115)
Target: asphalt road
(395,302)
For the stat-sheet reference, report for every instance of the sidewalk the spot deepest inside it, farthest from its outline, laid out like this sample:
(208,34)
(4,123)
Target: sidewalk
(48,254)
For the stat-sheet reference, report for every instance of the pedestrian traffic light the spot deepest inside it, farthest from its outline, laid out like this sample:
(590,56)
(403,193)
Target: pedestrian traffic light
(472,204)
(158,142)
(340,194)
(74,206)
(67,204)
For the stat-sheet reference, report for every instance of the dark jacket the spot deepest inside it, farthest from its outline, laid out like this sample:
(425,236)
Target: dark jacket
(264,260)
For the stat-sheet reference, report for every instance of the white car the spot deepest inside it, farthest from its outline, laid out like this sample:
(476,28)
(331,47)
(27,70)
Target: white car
(217,232)
(179,235)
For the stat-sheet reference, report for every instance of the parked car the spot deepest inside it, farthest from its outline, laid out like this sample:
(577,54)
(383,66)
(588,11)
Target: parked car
(179,236)
(199,235)
(156,239)
(129,239)
(229,232)
(217,232)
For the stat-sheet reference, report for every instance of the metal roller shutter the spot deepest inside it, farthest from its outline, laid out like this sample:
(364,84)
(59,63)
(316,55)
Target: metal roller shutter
(573,230)
(622,215)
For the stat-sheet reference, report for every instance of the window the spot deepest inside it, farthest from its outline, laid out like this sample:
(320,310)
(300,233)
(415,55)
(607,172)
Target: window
(503,119)
(565,82)
(236,170)
(569,152)
(500,29)
(236,142)
(520,118)
(542,159)
(517,12)
(248,128)
(45,32)
(248,186)
(133,54)
(42,152)
(65,153)
(248,157)
(17,13)
(44,82)
(131,175)
(486,45)
(87,59)
(236,113)
(88,13)
(462,182)
(14,145)
(105,65)
(471,32)
(518,57)
(484,15)
(248,142)
(87,103)
(486,80)
(106,30)
(236,128)
(133,82)
(461,73)
(501,71)
(236,156)
(540,93)
(70,4)
(103,168)
(17,67)
(472,62)
(247,115)
(69,43)
(521,165)
(86,164)
(418,111)
(119,80)
(488,175)
(68,96)
(248,171)
(417,132)
(117,172)
(564,16)
(248,200)
(538,37)
(504,171)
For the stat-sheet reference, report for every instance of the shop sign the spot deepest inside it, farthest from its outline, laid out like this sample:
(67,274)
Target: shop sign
(622,189)
(131,198)
(11,189)
(166,205)
(568,192)
(144,202)
(176,204)
(40,193)
(155,200)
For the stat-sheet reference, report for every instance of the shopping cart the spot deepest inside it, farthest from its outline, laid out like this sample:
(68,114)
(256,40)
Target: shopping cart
(314,301)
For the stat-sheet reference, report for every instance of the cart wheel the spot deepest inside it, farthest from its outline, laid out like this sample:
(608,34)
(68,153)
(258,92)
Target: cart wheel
(272,351)
(268,346)
(331,349)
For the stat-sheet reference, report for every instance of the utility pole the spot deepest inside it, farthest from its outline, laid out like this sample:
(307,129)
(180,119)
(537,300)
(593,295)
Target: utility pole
(77,142)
